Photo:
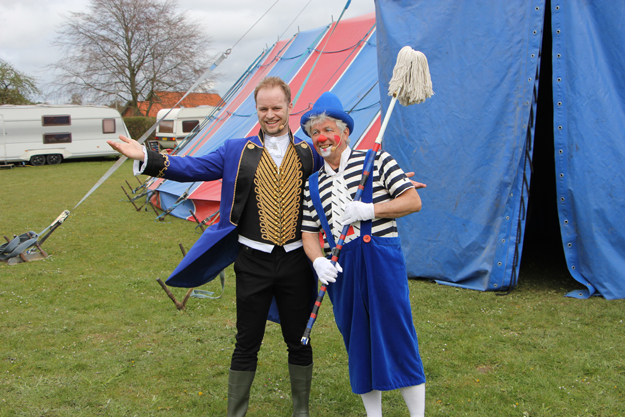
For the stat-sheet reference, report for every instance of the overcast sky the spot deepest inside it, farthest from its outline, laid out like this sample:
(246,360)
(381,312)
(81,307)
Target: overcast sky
(27,28)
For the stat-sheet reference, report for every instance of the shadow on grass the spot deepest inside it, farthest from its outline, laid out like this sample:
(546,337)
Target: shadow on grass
(540,272)
(546,275)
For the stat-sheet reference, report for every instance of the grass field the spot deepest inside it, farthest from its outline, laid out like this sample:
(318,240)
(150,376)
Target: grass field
(89,332)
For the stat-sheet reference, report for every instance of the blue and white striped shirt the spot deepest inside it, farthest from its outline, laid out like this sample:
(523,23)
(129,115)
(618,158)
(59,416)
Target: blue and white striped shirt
(389,181)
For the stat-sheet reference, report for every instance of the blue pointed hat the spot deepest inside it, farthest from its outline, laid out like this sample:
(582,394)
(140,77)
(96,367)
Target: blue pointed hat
(329,104)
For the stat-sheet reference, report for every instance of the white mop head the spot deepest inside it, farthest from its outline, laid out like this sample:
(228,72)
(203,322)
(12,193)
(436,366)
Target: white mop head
(411,77)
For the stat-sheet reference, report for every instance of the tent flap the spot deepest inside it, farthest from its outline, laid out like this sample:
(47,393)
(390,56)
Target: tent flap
(589,129)
(468,142)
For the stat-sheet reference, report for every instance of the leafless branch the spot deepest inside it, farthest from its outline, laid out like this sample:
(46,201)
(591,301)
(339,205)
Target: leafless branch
(126,50)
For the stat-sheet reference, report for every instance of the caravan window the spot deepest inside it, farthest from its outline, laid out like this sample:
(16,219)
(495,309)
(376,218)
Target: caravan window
(188,125)
(57,138)
(108,126)
(56,120)
(166,126)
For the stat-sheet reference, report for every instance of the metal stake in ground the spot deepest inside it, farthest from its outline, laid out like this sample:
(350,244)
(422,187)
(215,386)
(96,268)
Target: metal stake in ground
(411,83)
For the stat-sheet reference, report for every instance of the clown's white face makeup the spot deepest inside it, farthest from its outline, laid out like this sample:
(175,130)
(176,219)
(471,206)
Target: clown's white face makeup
(329,141)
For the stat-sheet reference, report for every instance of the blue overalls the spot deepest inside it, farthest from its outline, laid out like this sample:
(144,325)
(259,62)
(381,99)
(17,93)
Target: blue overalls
(372,307)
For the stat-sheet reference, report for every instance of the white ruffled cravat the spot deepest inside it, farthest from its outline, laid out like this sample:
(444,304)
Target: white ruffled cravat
(340,195)
(277,146)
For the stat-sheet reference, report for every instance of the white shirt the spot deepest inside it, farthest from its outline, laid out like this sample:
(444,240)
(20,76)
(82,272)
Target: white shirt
(277,146)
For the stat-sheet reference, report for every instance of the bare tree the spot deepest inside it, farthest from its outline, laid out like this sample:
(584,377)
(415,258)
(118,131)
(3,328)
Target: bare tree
(76,99)
(126,50)
(15,87)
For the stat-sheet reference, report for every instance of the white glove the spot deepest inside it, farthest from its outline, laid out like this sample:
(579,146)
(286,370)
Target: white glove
(357,211)
(326,272)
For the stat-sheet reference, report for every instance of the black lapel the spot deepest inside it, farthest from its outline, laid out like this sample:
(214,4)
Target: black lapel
(248,163)
(306,156)
(250,158)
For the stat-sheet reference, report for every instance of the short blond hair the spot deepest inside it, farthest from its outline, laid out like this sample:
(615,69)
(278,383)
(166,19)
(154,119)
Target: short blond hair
(271,82)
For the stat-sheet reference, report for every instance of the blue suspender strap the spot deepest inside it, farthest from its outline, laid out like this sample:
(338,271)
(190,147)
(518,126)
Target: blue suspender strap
(313,186)
(367,192)
(367,197)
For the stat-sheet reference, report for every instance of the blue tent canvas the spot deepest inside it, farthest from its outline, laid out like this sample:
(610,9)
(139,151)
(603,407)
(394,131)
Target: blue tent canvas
(473,142)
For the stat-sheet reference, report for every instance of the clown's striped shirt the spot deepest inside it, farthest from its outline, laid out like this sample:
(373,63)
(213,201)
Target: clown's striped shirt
(389,181)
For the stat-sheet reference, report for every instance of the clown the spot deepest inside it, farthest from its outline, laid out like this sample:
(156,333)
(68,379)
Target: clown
(369,288)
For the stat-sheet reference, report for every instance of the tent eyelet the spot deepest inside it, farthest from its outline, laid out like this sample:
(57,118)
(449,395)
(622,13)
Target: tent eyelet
(560,151)
(559,103)
(559,55)
(566,222)
(559,79)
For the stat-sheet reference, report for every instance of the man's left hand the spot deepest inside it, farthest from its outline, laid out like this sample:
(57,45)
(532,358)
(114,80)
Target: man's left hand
(416,185)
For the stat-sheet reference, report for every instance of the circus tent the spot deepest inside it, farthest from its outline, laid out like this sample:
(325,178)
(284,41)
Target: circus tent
(340,57)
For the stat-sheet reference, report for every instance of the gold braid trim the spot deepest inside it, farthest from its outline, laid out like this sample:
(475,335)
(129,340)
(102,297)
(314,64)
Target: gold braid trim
(278,196)
(161,173)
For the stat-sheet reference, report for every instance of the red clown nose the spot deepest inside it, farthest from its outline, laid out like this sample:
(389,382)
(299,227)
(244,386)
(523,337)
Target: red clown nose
(321,138)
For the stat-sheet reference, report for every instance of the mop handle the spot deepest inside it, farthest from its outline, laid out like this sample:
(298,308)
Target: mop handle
(336,251)
(391,106)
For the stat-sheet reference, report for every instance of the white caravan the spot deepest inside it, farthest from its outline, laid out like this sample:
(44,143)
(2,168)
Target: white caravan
(179,123)
(50,133)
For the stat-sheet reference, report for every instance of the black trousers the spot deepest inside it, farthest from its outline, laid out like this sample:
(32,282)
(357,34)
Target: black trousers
(260,277)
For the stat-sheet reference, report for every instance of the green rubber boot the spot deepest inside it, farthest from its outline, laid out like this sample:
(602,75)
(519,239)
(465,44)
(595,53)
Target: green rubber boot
(239,384)
(301,378)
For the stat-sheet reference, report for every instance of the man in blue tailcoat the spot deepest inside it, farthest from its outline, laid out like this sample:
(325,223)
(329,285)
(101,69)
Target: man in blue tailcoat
(259,230)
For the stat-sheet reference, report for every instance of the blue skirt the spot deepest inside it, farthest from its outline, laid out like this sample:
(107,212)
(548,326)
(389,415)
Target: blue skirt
(372,311)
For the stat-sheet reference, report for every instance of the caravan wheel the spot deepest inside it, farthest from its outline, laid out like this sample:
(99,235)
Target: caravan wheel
(54,159)
(38,160)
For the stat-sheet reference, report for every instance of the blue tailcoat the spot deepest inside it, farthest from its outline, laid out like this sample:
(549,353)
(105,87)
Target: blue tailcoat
(235,162)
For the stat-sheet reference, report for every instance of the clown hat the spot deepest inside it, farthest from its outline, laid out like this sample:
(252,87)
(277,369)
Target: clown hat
(329,104)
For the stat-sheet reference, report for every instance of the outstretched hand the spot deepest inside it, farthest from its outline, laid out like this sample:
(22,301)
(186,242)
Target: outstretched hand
(130,147)
(417,185)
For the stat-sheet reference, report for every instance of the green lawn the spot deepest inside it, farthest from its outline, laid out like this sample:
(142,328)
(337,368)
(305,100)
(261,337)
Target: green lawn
(89,331)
